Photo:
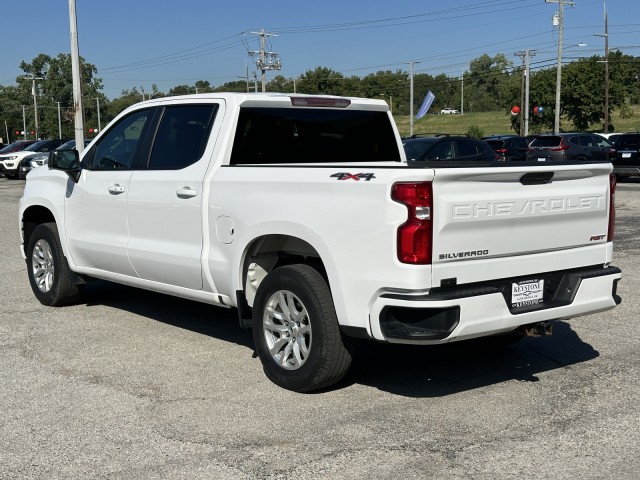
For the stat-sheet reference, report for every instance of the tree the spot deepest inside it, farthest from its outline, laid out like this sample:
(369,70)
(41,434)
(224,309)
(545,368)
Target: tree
(542,93)
(55,93)
(235,86)
(125,100)
(322,80)
(583,90)
(486,82)
(280,84)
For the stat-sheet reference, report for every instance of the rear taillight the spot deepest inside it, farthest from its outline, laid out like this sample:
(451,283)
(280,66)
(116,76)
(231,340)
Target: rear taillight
(415,236)
(612,207)
(612,153)
(560,148)
(501,150)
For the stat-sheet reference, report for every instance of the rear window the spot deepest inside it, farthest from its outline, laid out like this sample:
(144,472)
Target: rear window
(495,144)
(546,142)
(313,135)
(628,141)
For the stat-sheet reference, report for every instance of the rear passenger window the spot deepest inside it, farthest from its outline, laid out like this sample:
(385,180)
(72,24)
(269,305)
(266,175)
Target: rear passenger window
(466,148)
(181,136)
(585,141)
(442,151)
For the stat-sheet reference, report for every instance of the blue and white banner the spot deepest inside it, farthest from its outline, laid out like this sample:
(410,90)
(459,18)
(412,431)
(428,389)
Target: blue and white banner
(426,104)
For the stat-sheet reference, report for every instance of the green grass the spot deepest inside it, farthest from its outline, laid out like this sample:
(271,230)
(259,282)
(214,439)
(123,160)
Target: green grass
(493,123)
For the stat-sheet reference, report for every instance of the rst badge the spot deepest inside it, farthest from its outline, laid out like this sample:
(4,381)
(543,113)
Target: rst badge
(353,176)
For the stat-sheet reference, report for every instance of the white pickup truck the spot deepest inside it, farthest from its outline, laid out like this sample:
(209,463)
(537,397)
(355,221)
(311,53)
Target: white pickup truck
(302,213)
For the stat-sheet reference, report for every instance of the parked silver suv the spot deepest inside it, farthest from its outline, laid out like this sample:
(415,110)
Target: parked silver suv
(559,147)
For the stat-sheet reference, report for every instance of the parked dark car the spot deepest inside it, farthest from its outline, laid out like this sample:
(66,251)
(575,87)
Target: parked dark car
(38,159)
(625,156)
(559,147)
(508,147)
(447,147)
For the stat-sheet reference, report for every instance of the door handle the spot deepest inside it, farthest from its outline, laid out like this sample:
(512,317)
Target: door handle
(116,189)
(186,192)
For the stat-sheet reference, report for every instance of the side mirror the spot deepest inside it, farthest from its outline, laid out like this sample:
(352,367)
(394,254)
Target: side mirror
(67,161)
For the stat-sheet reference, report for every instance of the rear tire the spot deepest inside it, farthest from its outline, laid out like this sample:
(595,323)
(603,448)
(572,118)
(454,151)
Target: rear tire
(49,273)
(296,332)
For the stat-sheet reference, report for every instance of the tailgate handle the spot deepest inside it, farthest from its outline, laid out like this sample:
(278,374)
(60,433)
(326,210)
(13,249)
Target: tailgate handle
(536,178)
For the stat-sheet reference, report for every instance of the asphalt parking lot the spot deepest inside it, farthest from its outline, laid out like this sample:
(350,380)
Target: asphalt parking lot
(132,384)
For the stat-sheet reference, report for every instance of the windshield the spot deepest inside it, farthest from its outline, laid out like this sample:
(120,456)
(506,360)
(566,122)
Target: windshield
(34,147)
(8,148)
(70,145)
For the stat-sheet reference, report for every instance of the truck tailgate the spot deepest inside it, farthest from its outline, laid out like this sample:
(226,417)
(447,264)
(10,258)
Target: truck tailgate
(557,213)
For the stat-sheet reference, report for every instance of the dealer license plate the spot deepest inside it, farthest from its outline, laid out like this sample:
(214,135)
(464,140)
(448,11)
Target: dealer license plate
(528,292)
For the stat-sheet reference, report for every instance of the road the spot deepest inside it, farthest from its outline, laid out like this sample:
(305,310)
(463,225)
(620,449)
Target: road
(132,384)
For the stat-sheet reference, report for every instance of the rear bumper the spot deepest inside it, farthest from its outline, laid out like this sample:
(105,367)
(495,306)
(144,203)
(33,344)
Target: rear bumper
(470,311)
(629,171)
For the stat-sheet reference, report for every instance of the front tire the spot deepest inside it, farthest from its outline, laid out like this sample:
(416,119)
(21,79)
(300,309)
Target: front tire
(296,333)
(49,273)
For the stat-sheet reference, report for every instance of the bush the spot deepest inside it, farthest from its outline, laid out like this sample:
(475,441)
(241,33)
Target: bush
(626,111)
(475,131)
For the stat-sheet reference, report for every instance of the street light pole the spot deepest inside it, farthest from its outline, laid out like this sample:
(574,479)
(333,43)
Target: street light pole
(98,108)
(35,102)
(24,122)
(59,122)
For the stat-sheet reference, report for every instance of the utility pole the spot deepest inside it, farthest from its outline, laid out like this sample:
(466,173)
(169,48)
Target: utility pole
(462,93)
(78,110)
(561,4)
(266,60)
(526,55)
(411,97)
(606,68)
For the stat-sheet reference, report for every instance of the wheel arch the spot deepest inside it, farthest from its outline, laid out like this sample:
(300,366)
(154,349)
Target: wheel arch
(268,252)
(34,216)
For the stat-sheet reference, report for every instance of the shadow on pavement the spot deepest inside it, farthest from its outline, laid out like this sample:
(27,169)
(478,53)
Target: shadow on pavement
(408,370)
(436,371)
(217,322)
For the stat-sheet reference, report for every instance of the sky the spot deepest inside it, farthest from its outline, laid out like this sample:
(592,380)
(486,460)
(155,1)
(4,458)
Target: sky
(137,43)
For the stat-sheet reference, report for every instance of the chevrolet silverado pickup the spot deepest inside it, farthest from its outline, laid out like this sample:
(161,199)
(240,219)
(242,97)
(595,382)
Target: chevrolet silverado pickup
(303,214)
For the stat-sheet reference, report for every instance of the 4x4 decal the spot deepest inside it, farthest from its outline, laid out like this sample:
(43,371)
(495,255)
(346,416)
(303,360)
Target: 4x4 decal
(353,176)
